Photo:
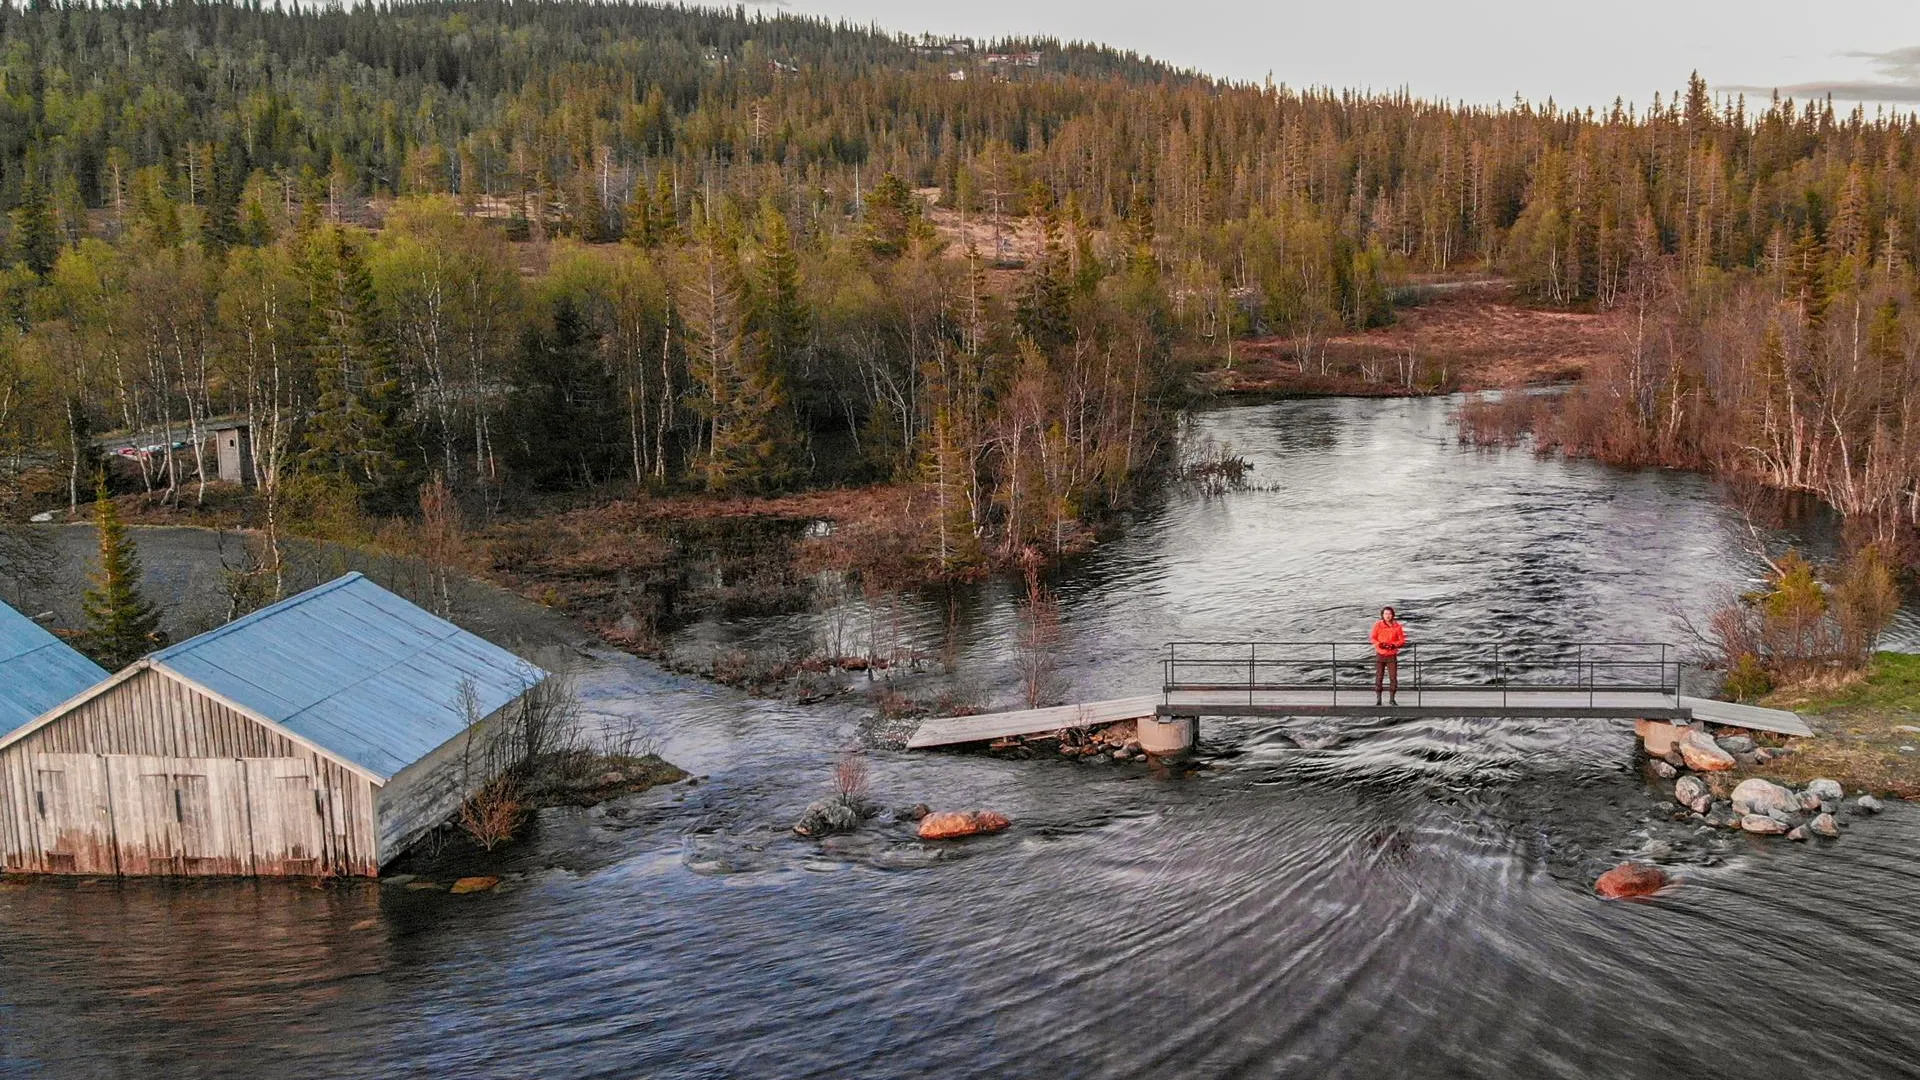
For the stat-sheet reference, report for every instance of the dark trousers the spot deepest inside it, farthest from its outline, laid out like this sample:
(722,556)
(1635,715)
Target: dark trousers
(1386,668)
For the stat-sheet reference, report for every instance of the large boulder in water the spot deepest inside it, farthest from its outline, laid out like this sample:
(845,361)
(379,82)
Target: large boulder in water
(1702,754)
(1659,737)
(1763,825)
(951,825)
(1631,879)
(1756,796)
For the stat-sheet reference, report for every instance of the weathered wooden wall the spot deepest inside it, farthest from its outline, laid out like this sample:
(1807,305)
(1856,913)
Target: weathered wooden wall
(428,792)
(154,777)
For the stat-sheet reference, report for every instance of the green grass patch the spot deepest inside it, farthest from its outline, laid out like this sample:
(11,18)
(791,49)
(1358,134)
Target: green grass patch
(1891,683)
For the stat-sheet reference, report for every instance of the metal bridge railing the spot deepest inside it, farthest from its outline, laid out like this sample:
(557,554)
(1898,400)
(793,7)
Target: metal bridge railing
(1254,666)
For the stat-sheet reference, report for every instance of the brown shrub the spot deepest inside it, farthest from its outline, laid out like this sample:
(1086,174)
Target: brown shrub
(492,815)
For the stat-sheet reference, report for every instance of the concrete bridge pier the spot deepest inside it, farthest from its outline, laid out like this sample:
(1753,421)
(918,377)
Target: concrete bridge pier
(1168,736)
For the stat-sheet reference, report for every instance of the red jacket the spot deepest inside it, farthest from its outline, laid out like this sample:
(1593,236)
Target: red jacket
(1389,637)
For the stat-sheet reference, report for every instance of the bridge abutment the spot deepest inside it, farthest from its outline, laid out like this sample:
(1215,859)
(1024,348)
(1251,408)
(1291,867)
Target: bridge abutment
(1168,736)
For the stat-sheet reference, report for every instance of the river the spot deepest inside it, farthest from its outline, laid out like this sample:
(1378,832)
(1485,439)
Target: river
(1322,899)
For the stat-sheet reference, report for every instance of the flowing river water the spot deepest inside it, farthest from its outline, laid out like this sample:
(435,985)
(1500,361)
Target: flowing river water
(1322,899)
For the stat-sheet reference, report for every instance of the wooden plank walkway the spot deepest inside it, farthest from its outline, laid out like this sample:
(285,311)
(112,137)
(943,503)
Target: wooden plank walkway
(1475,702)
(1753,717)
(949,730)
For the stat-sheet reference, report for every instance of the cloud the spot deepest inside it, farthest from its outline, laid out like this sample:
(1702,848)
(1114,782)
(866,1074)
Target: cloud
(1898,81)
(1900,93)
(1901,65)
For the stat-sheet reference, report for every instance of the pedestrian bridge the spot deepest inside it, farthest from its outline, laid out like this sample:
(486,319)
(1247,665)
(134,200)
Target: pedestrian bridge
(1572,680)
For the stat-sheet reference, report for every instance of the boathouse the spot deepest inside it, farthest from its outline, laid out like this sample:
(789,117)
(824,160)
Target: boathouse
(319,736)
(37,670)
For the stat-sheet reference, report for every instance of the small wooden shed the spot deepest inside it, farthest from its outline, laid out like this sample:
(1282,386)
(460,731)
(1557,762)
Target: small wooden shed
(319,736)
(233,451)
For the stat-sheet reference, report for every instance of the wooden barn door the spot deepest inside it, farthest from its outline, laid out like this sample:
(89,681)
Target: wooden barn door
(210,798)
(145,817)
(286,824)
(71,814)
(180,815)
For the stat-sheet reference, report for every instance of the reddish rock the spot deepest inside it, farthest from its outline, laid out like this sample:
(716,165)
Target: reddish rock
(1702,754)
(949,825)
(1658,736)
(473,885)
(1631,879)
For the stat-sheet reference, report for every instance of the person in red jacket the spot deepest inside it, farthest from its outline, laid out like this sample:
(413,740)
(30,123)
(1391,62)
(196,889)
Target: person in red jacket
(1389,637)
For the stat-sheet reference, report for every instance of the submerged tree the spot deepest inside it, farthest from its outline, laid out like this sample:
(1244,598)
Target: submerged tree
(122,624)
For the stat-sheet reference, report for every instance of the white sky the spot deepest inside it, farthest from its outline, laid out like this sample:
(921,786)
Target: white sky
(1473,50)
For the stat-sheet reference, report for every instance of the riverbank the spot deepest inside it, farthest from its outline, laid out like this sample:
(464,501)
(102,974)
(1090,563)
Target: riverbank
(1447,336)
(1867,730)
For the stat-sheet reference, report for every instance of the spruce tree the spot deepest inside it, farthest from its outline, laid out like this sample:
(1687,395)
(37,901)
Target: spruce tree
(640,230)
(122,624)
(36,235)
(1045,302)
(780,311)
(358,430)
(892,212)
(562,411)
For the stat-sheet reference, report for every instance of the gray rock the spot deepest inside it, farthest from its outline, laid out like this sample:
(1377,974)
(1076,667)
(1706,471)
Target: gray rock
(1674,758)
(1701,805)
(1867,804)
(1826,826)
(1688,788)
(830,816)
(1721,817)
(1763,755)
(1736,744)
(1756,796)
(1826,790)
(1763,825)
(1798,832)
(1662,770)
(1809,801)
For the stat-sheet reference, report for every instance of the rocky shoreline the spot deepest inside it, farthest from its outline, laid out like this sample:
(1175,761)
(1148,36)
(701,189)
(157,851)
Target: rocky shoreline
(1708,790)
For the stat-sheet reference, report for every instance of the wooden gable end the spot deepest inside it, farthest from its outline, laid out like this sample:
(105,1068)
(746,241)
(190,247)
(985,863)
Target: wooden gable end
(154,776)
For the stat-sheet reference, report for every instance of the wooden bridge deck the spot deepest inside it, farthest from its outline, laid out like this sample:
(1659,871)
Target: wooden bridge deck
(1492,702)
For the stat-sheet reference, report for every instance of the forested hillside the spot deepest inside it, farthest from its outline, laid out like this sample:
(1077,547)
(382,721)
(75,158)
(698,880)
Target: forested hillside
(554,246)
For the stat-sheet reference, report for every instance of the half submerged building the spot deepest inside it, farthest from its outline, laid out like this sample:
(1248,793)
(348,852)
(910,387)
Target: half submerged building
(319,736)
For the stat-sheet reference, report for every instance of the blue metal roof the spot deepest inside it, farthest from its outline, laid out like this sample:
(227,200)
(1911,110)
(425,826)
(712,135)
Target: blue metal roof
(37,670)
(355,670)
